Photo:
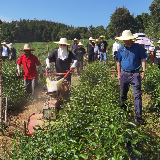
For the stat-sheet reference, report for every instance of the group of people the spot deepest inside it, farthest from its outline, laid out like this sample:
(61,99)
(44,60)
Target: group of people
(130,57)
(7,50)
(94,48)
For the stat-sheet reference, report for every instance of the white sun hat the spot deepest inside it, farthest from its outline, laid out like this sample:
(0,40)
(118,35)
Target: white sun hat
(158,41)
(91,39)
(62,41)
(27,48)
(97,40)
(101,37)
(75,40)
(80,44)
(3,43)
(127,35)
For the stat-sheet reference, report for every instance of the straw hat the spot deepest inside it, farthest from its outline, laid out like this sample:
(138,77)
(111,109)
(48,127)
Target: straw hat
(4,43)
(80,44)
(101,37)
(91,39)
(96,41)
(62,41)
(127,35)
(158,41)
(27,48)
(75,40)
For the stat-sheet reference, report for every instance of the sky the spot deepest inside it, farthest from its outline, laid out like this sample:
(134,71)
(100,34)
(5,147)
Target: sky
(80,13)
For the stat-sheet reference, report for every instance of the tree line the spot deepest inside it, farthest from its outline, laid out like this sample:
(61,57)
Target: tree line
(25,31)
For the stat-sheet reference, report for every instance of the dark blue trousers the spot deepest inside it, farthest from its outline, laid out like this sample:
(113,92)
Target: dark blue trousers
(134,79)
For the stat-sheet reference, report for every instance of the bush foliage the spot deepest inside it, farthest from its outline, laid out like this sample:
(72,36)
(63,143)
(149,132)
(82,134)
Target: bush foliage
(94,127)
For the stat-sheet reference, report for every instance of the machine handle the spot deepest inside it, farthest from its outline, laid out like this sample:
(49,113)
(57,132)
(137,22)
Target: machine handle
(59,74)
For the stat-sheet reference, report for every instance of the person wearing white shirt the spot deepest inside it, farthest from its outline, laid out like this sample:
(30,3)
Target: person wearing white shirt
(5,51)
(115,48)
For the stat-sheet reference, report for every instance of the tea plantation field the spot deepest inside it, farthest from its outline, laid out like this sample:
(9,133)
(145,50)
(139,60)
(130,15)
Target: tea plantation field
(95,127)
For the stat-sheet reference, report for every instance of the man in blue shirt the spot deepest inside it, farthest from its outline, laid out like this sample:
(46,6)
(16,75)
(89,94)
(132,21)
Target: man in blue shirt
(130,57)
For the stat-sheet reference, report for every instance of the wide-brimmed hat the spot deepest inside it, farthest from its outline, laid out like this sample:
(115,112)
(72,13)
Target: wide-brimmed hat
(3,43)
(90,38)
(101,37)
(127,35)
(158,41)
(27,48)
(62,41)
(97,40)
(75,40)
(80,44)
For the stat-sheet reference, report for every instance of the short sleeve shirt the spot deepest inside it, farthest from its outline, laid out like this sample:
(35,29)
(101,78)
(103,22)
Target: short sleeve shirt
(90,48)
(157,55)
(102,46)
(29,66)
(130,57)
(79,52)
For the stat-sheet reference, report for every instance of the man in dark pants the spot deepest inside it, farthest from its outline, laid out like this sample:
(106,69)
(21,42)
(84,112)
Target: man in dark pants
(130,56)
(79,53)
(90,50)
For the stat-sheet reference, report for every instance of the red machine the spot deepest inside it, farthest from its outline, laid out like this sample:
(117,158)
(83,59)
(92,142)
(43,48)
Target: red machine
(57,92)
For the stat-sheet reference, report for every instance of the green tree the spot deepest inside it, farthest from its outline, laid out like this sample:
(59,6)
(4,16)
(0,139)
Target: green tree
(154,23)
(142,22)
(111,31)
(122,20)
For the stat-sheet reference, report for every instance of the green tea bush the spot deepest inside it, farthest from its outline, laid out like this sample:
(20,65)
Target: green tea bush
(151,82)
(93,128)
(12,86)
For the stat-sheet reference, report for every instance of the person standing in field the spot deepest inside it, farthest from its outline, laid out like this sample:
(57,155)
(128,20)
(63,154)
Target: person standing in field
(13,52)
(5,51)
(96,49)
(79,53)
(62,59)
(130,57)
(90,50)
(103,49)
(157,55)
(29,62)
(75,44)
(115,48)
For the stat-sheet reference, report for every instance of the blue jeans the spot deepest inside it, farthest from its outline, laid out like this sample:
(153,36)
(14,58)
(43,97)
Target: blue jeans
(103,55)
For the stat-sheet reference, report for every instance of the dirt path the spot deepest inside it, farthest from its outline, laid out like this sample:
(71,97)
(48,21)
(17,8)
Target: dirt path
(17,117)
